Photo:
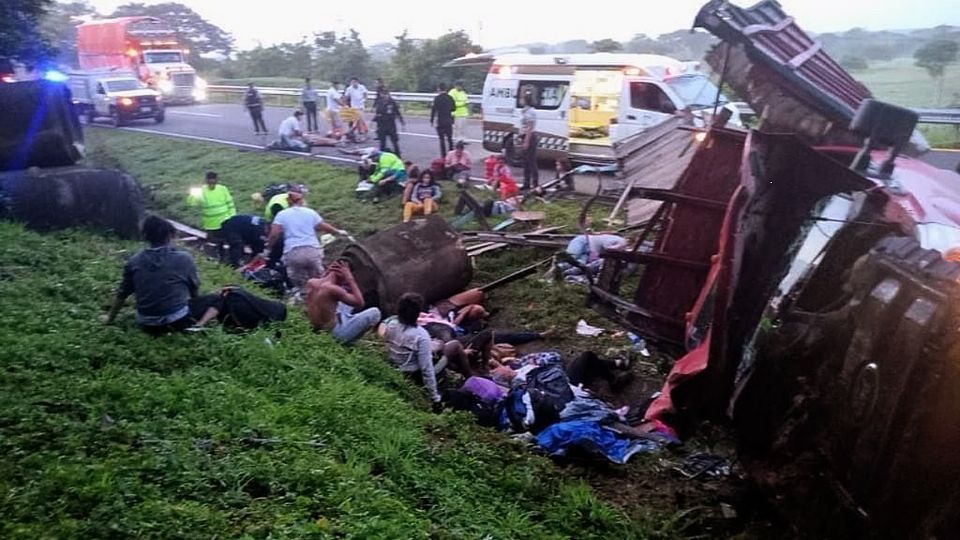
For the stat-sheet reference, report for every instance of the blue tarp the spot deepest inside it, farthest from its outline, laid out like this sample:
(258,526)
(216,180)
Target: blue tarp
(591,436)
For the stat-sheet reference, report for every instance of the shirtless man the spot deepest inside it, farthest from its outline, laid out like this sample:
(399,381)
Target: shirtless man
(331,300)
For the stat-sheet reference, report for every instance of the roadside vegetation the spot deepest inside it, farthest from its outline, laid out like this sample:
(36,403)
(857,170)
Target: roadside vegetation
(281,433)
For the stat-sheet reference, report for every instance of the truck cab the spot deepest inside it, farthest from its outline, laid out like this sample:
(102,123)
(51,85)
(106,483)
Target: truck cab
(167,71)
(119,97)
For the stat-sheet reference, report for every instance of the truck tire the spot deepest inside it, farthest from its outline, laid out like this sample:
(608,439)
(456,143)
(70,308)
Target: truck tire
(116,119)
(849,416)
(160,117)
(91,114)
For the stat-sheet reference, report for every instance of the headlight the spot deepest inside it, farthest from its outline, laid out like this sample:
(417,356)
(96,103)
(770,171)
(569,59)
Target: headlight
(201,83)
(126,102)
(165,86)
(199,94)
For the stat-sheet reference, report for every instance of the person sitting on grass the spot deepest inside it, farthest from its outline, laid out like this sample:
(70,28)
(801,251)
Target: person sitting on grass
(331,301)
(162,278)
(409,347)
(421,197)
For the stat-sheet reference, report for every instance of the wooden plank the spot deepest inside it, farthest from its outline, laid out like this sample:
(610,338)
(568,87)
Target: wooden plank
(187,230)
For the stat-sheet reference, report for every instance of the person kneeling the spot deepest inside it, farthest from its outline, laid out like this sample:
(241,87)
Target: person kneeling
(331,300)
(409,347)
(422,197)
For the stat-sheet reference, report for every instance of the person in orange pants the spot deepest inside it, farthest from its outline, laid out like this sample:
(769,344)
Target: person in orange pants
(421,197)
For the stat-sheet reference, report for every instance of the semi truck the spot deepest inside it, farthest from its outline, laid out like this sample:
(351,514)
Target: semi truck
(146,48)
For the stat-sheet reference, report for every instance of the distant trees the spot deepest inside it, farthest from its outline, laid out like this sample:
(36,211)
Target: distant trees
(60,27)
(20,35)
(416,65)
(935,56)
(606,45)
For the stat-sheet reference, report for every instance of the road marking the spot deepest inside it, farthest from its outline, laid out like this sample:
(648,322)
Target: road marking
(185,113)
(240,145)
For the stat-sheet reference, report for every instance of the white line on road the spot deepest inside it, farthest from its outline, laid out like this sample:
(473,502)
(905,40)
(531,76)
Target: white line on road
(185,113)
(240,145)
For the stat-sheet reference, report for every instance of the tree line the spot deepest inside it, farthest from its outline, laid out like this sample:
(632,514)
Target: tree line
(408,64)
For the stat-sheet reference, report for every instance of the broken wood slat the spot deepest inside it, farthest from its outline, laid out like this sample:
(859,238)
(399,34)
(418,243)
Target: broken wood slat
(644,257)
(630,307)
(667,195)
(500,244)
(187,230)
(510,278)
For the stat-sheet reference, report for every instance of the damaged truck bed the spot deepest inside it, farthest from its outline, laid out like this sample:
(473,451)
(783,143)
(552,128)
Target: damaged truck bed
(812,286)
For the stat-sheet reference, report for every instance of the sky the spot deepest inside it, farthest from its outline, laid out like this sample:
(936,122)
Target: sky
(497,23)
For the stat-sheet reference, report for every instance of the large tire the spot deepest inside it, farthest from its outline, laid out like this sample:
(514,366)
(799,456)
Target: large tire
(91,114)
(116,119)
(160,117)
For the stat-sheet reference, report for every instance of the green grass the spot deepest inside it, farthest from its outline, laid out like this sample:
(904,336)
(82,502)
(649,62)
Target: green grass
(901,82)
(281,433)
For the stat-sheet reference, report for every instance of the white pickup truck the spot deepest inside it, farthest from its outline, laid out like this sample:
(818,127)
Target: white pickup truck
(117,96)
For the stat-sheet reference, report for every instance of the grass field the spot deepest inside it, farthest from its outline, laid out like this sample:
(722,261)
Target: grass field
(281,433)
(901,82)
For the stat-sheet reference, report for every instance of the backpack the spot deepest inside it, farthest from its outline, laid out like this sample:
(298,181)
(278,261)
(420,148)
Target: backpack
(547,390)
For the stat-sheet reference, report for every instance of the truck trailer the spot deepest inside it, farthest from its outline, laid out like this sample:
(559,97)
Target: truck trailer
(147,48)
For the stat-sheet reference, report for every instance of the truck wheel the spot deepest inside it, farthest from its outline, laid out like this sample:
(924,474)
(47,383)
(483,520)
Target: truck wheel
(160,117)
(116,120)
(91,115)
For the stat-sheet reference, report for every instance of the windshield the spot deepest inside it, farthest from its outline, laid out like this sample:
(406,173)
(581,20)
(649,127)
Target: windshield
(165,57)
(122,85)
(697,91)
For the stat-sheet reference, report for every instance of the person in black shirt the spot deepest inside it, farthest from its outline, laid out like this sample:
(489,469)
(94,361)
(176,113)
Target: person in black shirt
(387,114)
(254,105)
(241,231)
(442,112)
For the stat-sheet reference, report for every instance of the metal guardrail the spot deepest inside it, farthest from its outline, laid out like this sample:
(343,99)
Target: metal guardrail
(474,99)
(950,116)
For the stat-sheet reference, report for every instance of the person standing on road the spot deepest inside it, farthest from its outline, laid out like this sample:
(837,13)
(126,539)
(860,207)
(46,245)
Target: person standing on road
(387,114)
(334,102)
(254,105)
(528,129)
(308,98)
(461,110)
(297,228)
(355,96)
(442,112)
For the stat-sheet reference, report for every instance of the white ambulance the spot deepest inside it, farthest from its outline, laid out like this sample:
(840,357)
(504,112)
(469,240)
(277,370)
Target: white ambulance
(586,102)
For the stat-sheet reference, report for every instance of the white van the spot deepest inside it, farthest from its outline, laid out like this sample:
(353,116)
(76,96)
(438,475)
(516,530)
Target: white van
(586,102)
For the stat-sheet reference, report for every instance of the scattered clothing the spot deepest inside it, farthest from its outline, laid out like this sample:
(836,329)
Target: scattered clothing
(485,389)
(559,438)
(585,329)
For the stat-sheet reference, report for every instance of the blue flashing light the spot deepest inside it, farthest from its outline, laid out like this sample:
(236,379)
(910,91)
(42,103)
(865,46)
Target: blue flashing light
(55,76)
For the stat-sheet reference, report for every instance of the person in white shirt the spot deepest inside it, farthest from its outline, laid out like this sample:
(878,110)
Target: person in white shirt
(334,102)
(297,227)
(290,133)
(355,97)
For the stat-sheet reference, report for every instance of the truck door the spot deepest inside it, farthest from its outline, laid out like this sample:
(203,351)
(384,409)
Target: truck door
(645,104)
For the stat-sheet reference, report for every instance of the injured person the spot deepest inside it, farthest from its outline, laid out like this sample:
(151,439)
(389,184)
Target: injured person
(409,347)
(332,301)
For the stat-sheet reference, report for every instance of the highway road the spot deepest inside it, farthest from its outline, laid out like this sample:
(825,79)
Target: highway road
(230,124)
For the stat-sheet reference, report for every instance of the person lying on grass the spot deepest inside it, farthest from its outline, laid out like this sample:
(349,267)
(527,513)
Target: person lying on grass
(331,303)
(163,279)
(409,347)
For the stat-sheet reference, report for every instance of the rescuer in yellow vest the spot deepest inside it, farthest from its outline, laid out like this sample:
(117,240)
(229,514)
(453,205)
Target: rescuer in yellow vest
(461,110)
(216,206)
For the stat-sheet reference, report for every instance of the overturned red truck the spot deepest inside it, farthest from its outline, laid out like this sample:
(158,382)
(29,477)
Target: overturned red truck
(809,273)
